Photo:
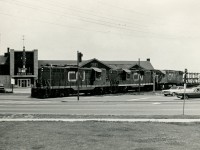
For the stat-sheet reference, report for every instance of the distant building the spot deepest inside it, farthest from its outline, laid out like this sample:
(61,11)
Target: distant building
(20,65)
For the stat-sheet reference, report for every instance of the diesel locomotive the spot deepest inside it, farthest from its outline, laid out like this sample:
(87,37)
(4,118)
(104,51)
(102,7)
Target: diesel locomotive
(61,81)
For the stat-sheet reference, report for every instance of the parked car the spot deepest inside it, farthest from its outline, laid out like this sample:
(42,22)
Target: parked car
(172,90)
(2,89)
(193,93)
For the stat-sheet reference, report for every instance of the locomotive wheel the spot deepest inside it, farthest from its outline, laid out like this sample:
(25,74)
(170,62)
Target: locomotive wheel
(92,92)
(62,94)
(45,95)
(98,91)
(66,93)
(125,89)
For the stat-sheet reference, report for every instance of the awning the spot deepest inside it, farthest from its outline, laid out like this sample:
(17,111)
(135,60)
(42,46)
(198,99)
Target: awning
(96,69)
(127,71)
(164,72)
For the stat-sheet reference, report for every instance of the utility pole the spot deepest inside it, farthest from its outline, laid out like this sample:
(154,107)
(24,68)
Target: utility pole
(79,59)
(139,76)
(0,43)
(185,81)
(154,81)
(78,75)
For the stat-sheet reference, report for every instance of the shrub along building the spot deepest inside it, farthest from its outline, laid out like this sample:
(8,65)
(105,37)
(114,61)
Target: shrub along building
(21,66)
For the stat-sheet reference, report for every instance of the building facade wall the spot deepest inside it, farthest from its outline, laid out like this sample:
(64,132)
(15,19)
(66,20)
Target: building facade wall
(22,67)
(12,54)
(5,80)
(36,63)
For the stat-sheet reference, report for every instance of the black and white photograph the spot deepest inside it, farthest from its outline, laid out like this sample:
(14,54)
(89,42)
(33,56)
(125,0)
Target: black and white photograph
(99,75)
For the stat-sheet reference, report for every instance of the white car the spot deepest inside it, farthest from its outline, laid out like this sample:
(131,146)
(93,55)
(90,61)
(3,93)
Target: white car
(173,90)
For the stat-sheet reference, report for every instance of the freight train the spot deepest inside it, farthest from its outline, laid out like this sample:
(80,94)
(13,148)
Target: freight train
(61,81)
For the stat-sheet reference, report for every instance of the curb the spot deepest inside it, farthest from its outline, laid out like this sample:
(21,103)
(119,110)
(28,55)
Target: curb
(65,101)
(103,120)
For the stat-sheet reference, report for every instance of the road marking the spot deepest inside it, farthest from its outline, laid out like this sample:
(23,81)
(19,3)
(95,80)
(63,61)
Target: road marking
(102,120)
(136,99)
(156,103)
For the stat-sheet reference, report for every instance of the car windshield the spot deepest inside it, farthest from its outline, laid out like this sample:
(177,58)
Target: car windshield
(173,87)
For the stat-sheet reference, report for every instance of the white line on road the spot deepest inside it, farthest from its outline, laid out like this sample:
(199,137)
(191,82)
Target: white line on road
(156,103)
(101,120)
(136,99)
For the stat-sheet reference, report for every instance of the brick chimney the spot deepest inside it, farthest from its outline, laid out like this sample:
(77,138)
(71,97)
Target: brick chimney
(148,59)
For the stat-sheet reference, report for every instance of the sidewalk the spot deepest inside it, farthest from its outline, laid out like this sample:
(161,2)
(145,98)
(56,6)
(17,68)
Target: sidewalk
(19,90)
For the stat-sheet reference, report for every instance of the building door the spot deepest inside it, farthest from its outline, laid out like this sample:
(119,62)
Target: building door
(24,83)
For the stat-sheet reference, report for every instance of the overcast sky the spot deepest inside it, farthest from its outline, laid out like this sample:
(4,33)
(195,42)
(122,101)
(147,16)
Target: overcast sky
(166,31)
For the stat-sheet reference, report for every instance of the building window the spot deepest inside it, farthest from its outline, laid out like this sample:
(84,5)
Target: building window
(128,76)
(98,75)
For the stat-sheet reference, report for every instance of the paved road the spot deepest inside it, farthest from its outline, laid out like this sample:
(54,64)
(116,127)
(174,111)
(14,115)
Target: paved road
(99,105)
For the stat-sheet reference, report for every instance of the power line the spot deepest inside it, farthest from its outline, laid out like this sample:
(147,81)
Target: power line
(82,18)
(125,9)
(47,22)
(91,20)
(91,13)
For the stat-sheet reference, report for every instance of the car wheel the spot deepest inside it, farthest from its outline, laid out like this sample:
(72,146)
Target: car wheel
(165,94)
(173,94)
(186,97)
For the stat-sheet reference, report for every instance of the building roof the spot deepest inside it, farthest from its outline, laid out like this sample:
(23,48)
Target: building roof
(111,64)
(3,60)
(56,62)
(94,59)
(129,64)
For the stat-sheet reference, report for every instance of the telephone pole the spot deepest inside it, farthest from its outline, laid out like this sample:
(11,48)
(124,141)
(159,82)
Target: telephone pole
(79,59)
(78,75)
(185,84)
(0,43)
(139,75)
